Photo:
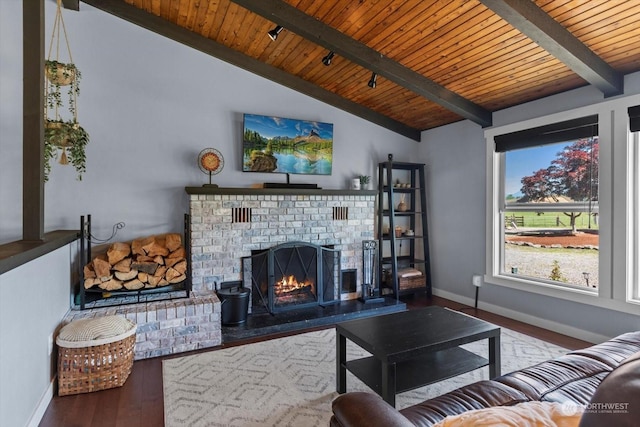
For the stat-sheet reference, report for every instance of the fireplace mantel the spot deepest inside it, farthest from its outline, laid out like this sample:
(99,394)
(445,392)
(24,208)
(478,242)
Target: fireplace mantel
(276,191)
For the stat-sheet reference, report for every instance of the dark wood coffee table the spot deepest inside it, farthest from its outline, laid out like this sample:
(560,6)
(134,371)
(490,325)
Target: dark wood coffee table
(413,348)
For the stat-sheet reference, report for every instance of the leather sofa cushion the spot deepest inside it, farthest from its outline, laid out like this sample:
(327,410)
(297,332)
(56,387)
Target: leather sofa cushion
(614,351)
(482,394)
(579,391)
(538,380)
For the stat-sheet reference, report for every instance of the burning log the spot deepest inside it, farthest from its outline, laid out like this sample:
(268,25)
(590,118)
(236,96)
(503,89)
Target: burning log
(150,262)
(289,289)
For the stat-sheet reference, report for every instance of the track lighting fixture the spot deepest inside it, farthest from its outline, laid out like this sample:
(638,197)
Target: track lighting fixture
(372,81)
(273,34)
(327,59)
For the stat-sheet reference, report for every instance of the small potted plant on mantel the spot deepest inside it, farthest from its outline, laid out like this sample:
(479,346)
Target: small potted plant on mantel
(364,182)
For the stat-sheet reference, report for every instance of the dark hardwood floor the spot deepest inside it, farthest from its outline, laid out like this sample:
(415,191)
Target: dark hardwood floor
(139,402)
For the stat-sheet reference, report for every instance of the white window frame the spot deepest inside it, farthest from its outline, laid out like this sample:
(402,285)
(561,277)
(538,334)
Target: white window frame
(633,290)
(618,269)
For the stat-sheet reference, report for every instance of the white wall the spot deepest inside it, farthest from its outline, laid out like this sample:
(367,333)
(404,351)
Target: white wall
(455,157)
(33,299)
(150,106)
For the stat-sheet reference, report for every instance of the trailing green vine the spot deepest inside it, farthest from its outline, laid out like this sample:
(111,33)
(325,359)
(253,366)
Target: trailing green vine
(60,74)
(68,138)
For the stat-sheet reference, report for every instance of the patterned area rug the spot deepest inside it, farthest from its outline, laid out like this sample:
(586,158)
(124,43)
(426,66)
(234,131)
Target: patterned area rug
(291,381)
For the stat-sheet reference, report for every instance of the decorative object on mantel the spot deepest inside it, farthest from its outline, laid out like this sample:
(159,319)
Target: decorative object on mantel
(60,134)
(355,184)
(210,161)
(364,181)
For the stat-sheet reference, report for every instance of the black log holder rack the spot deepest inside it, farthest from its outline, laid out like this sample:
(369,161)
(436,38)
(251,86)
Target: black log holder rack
(97,298)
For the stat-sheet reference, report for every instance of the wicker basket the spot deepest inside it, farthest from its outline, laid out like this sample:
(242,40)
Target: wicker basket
(88,366)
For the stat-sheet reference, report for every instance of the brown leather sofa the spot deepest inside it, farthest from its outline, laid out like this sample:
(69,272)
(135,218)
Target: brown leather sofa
(594,377)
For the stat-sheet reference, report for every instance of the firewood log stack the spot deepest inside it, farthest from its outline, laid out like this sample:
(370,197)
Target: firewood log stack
(143,263)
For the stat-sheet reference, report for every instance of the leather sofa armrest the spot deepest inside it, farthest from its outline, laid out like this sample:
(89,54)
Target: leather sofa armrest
(616,401)
(367,410)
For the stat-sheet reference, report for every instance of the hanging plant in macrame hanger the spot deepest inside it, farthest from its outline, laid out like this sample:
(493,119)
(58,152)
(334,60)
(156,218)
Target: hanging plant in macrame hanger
(65,137)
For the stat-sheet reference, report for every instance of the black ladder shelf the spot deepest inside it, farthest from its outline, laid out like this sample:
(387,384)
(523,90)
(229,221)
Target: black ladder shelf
(400,251)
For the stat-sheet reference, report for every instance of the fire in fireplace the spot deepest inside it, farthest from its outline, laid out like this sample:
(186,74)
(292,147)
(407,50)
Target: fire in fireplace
(293,275)
(288,290)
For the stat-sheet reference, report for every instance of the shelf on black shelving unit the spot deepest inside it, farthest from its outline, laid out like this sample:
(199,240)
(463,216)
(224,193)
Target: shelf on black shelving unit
(403,213)
(406,239)
(403,260)
(403,189)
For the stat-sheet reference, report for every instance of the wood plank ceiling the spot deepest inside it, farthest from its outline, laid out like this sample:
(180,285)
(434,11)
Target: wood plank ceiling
(438,61)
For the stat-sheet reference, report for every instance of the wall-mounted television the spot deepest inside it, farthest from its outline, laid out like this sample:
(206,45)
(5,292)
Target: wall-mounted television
(280,145)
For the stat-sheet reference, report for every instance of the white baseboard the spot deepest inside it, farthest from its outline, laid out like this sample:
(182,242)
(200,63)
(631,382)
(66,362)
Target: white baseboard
(42,405)
(526,318)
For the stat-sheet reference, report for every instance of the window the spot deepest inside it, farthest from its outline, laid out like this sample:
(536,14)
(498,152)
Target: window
(633,290)
(549,204)
(602,193)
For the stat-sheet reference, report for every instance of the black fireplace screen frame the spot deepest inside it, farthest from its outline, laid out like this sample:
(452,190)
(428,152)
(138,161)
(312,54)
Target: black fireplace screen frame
(259,274)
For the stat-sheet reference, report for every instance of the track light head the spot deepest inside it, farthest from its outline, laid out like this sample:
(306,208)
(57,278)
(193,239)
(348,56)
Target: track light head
(273,34)
(372,81)
(327,59)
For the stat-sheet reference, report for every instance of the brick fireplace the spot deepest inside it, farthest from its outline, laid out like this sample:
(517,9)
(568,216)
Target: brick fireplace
(227,224)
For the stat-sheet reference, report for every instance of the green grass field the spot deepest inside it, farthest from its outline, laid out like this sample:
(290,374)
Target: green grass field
(552,220)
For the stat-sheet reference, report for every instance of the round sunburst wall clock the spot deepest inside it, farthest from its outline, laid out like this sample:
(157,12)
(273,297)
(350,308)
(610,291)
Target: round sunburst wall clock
(211,162)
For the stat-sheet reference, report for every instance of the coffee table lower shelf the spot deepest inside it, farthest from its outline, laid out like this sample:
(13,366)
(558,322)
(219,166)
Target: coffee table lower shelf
(418,372)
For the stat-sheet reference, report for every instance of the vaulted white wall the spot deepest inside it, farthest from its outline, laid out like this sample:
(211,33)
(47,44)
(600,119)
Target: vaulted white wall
(150,105)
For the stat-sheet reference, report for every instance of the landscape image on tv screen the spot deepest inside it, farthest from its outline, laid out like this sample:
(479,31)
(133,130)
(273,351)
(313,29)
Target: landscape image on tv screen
(279,145)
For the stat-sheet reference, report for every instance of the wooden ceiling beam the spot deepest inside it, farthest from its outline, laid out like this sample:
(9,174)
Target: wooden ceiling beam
(71,4)
(326,36)
(182,35)
(533,22)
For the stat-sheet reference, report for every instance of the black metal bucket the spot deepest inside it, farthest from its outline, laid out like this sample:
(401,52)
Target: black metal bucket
(235,305)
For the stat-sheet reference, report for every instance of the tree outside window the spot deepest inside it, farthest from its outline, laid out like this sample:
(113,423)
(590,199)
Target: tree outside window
(550,220)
